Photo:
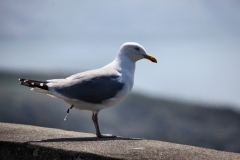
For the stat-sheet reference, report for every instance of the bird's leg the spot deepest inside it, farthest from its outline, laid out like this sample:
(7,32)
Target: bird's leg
(98,133)
(95,121)
(68,112)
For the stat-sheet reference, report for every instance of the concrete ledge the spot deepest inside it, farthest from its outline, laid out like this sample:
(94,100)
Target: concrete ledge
(31,142)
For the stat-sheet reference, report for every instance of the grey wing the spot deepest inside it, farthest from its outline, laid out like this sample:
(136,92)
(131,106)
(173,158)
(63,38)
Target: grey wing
(93,90)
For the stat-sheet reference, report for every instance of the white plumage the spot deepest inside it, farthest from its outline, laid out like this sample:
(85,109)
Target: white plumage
(96,89)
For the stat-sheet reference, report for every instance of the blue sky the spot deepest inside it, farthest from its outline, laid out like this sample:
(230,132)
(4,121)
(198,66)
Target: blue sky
(197,43)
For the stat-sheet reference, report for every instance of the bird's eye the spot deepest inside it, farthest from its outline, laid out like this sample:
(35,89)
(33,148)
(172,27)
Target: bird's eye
(137,48)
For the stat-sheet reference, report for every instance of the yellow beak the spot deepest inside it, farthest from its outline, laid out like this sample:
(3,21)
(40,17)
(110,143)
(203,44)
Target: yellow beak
(151,58)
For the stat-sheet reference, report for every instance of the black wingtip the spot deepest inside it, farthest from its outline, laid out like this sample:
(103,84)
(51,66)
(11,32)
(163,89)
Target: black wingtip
(21,79)
(33,83)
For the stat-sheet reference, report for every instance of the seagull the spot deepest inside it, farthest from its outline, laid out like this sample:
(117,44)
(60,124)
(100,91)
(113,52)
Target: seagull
(97,89)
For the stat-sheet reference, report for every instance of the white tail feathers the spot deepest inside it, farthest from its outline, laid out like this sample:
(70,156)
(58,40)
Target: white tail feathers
(40,90)
(43,91)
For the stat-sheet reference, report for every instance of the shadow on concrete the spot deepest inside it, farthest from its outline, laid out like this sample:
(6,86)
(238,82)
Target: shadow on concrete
(84,139)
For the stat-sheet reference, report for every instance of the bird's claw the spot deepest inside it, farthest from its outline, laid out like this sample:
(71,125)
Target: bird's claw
(106,136)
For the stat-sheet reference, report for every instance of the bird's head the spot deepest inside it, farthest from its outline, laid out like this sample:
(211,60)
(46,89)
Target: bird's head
(135,52)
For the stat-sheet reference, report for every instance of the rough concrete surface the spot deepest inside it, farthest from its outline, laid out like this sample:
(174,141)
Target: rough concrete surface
(31,142)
